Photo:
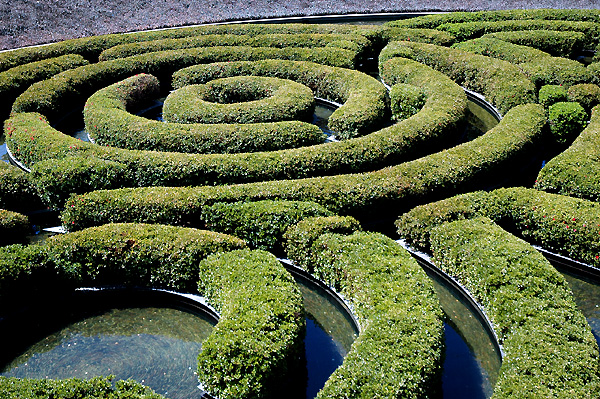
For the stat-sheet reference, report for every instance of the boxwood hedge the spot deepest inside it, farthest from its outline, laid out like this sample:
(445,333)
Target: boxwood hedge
(549,348)
(261,224)
(539,66)
(588,95)
(502,83)
(551,94)
(557,43)
(399,350)
(240,99)
(566,225)
(109,122)
(16,189)
(13,227)
(575,171)
(566,120)
(405,100)
(94,388)
(258,342)
(473,164)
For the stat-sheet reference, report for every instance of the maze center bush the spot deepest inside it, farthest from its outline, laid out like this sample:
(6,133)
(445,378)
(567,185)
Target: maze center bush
(240,99)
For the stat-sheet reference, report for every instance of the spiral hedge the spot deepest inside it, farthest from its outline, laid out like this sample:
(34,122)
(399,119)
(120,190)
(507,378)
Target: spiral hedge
(397,150)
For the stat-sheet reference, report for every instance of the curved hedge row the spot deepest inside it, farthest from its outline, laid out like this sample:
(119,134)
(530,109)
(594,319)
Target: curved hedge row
(575,172)
(399,350)
(278,40)
(33,140)
(240,99)
(108,122)
(503,84)
(569,226)
(539,66)
(91,47)
(13,227)
(548,345)
(16,80)
(557,43)
(258,342)
(469,165)
(16,190)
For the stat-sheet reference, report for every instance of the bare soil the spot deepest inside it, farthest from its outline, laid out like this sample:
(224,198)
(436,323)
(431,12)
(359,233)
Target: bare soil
(29,22)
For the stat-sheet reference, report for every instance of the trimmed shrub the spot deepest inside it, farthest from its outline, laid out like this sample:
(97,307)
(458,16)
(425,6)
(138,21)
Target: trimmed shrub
(549,348)
(405,101)
(463,168)
(108,122)
(299,238)
(552,94)
(539,66)
(566,225)
(557,43)
(14,81)
(240,99)
(258,341)
(575,171)
(398,352)
(434,20)
(500,82)
(567,120)
(16,189)
(261,224)
(94,388)
(469,30)
(587,95)
(432,36)
(13,227)
(276,40)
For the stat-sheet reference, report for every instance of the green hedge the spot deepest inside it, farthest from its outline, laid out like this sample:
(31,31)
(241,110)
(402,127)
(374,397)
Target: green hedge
(549,348)
(276,40)
(405,101)
(91,47)
(469,30)
(567,120)
(474,164)
(434,20)
(576,171)
(299,238)
(399,350)
(108,122)
(261,224)
(588,95)
(363,98)
(566,225)
(503,84)
(94,388)
(258,342)
(434,127)
(551,94)
(557,43)
(433,36)
(16,190)
(13,227)
(539,66)
(240,99)
(16,80)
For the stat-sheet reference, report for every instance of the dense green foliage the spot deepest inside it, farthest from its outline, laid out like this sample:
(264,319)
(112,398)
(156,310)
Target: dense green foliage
(551,94)
(398,352)
(566,225)
(502,83)
(262,223)
(258,341)
(240,99)
(587,95)
(557,43)
(109,122)
(16,190)
(405,101)
(448,172)
(549,348)
(567,120)
(94,388)
(13,227)
(575,172)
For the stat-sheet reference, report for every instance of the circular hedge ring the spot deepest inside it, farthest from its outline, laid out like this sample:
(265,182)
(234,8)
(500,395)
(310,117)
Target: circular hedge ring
(240,99)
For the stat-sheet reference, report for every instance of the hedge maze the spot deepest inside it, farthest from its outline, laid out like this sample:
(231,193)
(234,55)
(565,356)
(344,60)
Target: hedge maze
(236,174)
